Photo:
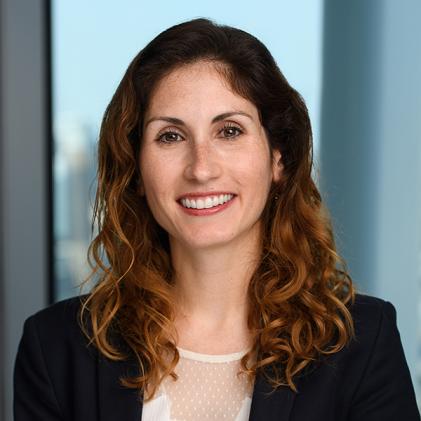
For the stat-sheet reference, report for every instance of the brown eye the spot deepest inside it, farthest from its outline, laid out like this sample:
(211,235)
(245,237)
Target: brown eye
(169,137)
(230,131)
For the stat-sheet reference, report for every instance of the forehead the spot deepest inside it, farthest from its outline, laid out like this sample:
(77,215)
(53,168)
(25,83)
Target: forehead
(196,85)
(189,73)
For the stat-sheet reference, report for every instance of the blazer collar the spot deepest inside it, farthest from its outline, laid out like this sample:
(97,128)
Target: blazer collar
(118,402)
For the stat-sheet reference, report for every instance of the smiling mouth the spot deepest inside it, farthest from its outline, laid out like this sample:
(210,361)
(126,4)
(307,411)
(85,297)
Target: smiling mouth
(206,202)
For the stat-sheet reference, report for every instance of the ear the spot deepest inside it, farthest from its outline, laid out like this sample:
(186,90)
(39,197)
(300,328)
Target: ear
(277,166)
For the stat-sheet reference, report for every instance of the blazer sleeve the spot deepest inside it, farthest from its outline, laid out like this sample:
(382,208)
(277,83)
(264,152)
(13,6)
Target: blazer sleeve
(386,392)
(34,397)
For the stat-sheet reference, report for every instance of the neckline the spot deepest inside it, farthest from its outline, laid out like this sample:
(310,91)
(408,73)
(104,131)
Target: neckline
(212,358)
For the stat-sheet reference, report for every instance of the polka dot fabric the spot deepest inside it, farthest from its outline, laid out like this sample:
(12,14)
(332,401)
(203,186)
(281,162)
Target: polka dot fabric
(207,388)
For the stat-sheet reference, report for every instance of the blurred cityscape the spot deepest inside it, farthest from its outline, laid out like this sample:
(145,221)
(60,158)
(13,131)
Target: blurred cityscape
(74,187)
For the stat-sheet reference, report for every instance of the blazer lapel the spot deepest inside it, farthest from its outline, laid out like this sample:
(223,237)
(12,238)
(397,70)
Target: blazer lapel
(270,405)
(115,401)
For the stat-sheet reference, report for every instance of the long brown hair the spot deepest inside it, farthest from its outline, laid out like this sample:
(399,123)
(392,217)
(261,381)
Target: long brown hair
(298,293)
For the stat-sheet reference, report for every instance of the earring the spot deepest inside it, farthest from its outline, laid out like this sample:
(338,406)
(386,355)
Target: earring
(276,197)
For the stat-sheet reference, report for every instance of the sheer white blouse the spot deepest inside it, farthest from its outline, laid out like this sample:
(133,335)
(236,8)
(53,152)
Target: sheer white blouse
(207,388)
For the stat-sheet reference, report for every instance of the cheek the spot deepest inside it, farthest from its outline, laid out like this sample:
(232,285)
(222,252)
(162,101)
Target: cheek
(151,177)
(152,170)
(154,184)
(159,180)
(254,171)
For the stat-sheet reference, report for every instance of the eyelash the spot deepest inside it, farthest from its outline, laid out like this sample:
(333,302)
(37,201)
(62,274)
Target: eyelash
(171,131)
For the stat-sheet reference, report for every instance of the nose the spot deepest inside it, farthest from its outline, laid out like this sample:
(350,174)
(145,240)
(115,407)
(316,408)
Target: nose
(202,163)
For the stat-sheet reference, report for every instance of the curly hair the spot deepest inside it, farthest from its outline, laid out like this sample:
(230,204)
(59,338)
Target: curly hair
(300,289)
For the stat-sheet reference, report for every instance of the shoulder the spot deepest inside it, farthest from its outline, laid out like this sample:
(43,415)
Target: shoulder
(60,311)
(368,306)
(369,375)
(374,322)
(52,340)
(372,316)
(64,312)
(56,326)
(375,356)
(372,368)
(368,303)
(53,355)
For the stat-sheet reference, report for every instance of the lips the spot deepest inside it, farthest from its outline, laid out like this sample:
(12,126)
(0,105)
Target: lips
(208,202)
(201,209)
(203,195)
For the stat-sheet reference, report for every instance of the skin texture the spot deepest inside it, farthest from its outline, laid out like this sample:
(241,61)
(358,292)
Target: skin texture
(213,255)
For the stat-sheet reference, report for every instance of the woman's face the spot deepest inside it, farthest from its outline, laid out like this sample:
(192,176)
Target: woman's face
(204,159)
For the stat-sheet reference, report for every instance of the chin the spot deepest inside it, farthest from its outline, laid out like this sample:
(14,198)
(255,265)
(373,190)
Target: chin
(208,241)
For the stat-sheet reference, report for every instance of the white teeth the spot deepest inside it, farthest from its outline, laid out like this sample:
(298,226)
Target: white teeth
(208,202)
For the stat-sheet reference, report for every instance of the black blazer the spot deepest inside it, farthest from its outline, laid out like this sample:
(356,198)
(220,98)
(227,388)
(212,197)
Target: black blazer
(57,377)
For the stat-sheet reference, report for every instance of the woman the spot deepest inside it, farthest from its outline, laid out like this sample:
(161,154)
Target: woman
(220,294)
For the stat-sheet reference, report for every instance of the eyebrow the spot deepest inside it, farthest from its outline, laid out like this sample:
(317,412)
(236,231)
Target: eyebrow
(217,118)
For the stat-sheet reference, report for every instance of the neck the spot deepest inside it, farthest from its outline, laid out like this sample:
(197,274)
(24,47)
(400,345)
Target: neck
(211,284)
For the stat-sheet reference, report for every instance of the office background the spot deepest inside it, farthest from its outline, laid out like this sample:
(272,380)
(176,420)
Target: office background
(357,65)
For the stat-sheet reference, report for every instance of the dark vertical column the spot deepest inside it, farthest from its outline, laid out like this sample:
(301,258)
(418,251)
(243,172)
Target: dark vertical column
(23,176)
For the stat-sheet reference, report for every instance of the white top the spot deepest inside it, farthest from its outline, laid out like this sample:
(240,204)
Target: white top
(207,389)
